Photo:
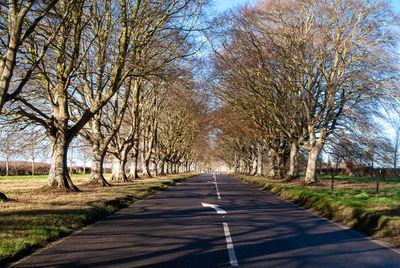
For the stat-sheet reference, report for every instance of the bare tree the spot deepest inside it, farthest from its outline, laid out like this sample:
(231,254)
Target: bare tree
(53,103)
(34,142)
(180,124)
(19,20)
(341,62)
(161,35)
(395,149)
(298,70)
(10,140)
(84,150)
(64,111)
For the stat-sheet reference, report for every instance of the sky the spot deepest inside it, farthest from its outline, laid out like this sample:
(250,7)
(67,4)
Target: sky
(221,5)
(395,4)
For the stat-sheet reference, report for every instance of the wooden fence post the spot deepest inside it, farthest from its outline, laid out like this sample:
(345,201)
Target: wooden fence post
(377,182)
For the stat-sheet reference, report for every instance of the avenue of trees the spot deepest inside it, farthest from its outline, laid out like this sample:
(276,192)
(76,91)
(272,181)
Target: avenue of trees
(120,80)
(115,73)
(293,76)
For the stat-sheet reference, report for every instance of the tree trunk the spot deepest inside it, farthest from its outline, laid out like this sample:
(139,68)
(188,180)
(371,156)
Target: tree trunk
(395,166)
(58,174)
(173,168)
(272,165)
(8,62)
(33,167)
(118,170)
(281,166)
(312,165)
(134,168)
(96,173)
(156,170)
(146,166)
(187,166)
(191,167)
(244,167)
(241,168)
(169,168)
(33,160)
(137,122)
(162,168)
(253,171)
(71,157)
(166,168)
(7,164)
(294,161)
(133,171)
(237,165)
(259,161)
(84,165)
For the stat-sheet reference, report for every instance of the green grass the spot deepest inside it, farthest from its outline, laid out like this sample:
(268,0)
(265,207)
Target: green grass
(34,219)
(23,177)
(357,178)
(377,215)
(41,177)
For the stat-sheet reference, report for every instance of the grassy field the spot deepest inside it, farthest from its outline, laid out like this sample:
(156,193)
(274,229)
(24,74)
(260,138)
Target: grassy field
(354,178)
(34,218)
(353,201)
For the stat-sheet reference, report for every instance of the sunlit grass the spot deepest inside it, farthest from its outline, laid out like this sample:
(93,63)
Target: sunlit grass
(23,177)
(35,218)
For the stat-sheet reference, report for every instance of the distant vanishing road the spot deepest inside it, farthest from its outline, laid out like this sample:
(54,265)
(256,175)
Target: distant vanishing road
(214,221)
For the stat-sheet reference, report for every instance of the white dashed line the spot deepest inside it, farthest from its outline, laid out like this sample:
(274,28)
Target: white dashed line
(229,244)
(216,187)
(217,190)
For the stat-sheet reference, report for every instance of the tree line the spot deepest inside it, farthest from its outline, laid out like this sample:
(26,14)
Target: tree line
(118,73)
(290,77)
(293,76)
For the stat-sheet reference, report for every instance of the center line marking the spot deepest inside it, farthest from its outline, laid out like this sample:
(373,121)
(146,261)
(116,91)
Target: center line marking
(216,187)
(229,244)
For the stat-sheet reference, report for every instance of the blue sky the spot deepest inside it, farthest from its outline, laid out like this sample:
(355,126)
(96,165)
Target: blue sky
(395,4)
(225,4)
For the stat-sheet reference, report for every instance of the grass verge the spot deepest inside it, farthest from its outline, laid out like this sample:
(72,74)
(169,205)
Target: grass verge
(34,219)
(354,203)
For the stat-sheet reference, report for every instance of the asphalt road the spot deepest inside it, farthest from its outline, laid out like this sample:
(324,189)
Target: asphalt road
(181,227)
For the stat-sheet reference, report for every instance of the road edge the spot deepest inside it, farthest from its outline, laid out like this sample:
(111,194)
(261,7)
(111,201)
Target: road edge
(118,204)
(263,189)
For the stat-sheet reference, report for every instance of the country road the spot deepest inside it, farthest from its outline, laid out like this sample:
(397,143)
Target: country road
(214,221)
